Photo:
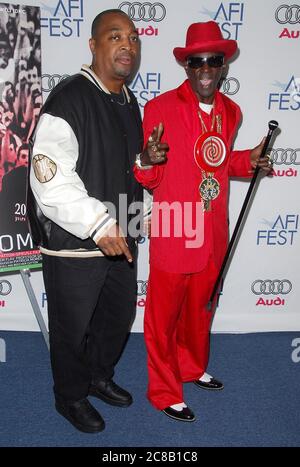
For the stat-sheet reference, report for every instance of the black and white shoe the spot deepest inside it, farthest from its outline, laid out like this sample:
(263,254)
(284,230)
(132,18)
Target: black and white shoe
(180,412)
(209,382)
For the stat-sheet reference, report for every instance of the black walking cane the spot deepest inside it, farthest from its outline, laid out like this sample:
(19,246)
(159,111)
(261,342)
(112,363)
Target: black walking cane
(272,127)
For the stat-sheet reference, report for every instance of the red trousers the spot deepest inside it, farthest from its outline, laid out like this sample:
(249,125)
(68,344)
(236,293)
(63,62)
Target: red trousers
(176,330)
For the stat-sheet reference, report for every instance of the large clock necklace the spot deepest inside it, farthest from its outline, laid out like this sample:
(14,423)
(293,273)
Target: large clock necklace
(210,152)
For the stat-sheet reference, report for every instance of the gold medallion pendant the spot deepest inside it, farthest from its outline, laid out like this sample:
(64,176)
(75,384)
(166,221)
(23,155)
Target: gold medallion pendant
(209,188)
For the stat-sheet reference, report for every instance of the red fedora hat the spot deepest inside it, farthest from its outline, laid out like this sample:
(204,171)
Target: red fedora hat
(205,37)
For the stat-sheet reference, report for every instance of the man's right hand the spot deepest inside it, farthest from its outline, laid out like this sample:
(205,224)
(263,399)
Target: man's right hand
(114,243)
(155,151)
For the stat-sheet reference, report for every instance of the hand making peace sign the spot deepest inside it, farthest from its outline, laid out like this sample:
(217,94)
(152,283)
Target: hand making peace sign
(155,150)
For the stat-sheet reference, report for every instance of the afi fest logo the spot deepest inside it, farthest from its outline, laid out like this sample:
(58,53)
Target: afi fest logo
(5,289)
(62,18)
(289,16)
(50,81)
(285,161)
(229,16)
(146,86)
(273,287)
(145,12)
(281,232)
(289,96)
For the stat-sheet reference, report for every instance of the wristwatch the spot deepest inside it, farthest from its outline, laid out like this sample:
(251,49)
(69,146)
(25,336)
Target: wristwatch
(138,163)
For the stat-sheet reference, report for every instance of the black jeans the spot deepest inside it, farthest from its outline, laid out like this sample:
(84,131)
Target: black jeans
(91,307)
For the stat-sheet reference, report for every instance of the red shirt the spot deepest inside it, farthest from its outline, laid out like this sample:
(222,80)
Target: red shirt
(179,178)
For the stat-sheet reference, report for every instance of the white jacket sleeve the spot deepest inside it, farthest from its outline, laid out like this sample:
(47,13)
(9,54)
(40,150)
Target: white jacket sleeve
(58,189)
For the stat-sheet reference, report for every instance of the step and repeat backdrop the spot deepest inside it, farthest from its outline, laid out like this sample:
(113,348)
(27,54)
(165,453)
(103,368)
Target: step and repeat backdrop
(44,41)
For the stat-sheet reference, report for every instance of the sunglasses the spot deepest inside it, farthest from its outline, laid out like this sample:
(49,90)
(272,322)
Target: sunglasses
(216,61)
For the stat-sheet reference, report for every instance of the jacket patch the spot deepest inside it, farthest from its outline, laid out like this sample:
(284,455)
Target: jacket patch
(44,168)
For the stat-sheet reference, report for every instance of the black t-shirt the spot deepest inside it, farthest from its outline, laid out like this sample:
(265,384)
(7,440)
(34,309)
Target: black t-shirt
(131,133)
(130,128)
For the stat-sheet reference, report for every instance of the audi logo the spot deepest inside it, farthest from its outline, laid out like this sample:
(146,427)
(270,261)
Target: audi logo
(142,287)
(5,287)
(288,14)
(144,11)
(230,86)
(287,156)
(268,287)
(50,81)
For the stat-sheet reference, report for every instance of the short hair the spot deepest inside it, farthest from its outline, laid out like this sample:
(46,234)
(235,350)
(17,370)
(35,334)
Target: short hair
(97,20)
(21,148)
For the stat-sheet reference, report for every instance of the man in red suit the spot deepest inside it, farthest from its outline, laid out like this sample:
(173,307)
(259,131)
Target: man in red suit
(189,227)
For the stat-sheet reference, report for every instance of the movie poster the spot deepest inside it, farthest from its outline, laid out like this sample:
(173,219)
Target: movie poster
(20,104)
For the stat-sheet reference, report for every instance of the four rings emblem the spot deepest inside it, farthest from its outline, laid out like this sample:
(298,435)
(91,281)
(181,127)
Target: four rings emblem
(144,11)
(142,287)
(5,287)
(287,156)
(50,81)
(269,287)
(288,14)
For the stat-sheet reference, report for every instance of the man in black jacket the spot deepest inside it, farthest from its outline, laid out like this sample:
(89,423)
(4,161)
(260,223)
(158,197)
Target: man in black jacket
(84,149)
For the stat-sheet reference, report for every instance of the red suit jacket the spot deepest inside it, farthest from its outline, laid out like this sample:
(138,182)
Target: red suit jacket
(179,178)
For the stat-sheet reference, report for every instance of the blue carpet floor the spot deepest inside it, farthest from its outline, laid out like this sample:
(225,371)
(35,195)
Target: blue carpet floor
(260,405)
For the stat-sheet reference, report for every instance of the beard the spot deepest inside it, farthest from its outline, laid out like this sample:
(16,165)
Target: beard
(122,72)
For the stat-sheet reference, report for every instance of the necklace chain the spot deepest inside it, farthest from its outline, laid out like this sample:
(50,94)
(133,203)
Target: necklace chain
(215,118)
(204,128)
(117,102)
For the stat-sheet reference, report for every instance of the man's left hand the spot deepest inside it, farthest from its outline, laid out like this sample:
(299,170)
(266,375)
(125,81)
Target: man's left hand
(265,162)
